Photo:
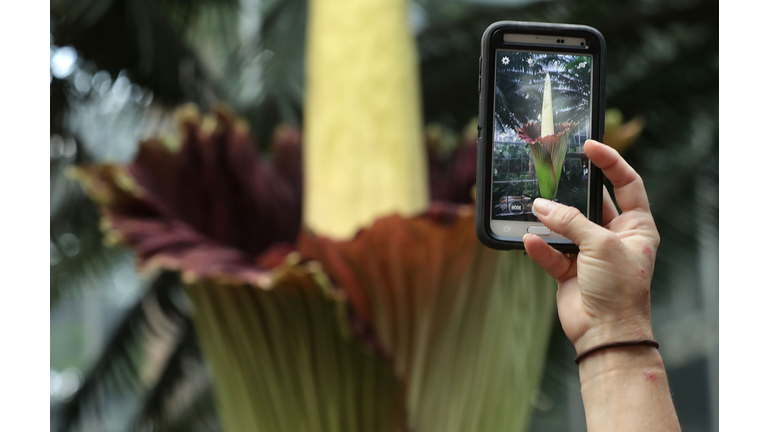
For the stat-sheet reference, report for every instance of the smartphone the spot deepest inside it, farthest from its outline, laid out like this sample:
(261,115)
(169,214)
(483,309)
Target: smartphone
(542,95)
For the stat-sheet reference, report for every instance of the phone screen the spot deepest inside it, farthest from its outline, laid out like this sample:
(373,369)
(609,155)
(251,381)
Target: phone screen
(542,117)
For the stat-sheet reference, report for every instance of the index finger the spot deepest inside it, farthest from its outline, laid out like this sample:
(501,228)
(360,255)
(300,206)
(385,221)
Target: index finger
(627,184)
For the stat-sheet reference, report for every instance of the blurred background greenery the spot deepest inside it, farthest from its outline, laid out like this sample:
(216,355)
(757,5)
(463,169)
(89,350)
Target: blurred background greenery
(123,353)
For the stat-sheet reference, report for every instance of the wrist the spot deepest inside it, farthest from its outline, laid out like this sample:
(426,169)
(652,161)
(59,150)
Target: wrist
(614,331)
(618,363)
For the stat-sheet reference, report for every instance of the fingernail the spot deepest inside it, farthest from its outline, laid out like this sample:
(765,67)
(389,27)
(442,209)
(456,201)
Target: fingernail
(542,207)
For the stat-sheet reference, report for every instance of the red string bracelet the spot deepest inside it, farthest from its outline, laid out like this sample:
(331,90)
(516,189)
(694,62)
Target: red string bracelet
(648,342)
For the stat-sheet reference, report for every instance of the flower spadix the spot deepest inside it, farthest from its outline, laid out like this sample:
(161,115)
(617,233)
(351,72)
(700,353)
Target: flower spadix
(364,152)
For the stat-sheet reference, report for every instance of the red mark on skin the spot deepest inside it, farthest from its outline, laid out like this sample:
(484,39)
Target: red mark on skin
(642,273)
(650,376)
(647,250)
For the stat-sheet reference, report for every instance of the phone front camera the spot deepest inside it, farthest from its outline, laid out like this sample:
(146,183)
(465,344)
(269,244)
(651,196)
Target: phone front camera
(582,44)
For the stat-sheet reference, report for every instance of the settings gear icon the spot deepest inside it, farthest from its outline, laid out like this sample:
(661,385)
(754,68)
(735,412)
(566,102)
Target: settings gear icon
(505,60)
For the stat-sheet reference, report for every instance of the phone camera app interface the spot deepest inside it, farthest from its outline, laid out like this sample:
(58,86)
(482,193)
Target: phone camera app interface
(541,121)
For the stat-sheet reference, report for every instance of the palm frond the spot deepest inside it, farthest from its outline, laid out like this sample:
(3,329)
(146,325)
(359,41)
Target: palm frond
(78,256)
(182,396)
(122,364)
(71,275)
(198,416)
(136,36)
(271,68)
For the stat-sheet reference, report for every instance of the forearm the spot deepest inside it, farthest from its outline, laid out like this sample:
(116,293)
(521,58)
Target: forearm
(626,389)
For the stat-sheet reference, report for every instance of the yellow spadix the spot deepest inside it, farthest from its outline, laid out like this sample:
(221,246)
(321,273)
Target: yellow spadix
(364,156)
(547,118)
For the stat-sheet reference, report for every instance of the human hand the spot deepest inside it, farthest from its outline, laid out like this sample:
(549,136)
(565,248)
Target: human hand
(604,291)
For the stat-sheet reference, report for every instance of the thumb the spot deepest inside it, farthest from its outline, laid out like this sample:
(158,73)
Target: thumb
(567,221)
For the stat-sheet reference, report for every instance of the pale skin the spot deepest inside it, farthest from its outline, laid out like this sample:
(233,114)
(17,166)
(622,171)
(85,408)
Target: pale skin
(603,296)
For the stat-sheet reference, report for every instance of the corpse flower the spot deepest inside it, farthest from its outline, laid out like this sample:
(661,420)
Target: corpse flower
(548,143)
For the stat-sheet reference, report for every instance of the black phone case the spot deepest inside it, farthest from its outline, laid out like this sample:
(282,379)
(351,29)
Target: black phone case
(483,181)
